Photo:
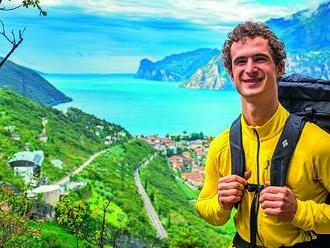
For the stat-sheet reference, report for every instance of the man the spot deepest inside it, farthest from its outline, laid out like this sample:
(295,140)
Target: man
(287,216)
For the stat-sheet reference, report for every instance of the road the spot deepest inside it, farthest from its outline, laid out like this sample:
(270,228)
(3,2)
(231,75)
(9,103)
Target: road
(79,169)
(161,232)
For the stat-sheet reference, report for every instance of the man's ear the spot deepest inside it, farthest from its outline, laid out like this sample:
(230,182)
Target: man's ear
(280,70)
(231,77)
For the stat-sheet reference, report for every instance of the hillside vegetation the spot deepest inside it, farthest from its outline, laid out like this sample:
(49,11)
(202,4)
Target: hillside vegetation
(174,202)
(111,178)
(108,211)
(72,137)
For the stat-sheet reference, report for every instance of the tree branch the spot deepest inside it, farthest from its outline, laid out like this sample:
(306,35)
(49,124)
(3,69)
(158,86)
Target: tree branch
(10,9)
(12,41)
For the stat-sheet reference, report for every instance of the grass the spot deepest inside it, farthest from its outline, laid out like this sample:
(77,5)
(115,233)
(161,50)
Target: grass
(115,215)
(190,193)
(53,235)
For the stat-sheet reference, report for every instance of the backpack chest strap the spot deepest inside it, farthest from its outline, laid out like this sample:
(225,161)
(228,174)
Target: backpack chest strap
(285,148)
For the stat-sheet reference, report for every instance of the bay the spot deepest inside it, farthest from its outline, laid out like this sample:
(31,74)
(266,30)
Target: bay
(149,107)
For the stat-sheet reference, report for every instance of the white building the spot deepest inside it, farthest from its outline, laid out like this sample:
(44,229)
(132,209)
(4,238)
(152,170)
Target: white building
(27,164)
(50,193)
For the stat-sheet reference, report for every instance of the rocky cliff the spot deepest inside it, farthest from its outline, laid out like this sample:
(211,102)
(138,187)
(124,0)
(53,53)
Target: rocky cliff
(306,35)
(306,30)
(177,67)
(211,76)
(314,64)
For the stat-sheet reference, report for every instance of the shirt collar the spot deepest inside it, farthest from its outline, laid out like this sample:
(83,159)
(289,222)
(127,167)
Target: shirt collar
(270,129)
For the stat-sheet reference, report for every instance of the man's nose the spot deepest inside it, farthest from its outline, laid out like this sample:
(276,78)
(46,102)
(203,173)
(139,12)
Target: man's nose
(250,67)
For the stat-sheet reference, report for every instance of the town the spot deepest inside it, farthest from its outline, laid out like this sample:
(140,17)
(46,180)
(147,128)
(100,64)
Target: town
(185,153)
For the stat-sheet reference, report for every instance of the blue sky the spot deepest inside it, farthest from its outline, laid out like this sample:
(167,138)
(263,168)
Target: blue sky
(112,36)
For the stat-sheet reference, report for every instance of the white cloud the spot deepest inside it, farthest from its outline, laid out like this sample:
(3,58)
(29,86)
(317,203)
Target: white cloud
(206,12)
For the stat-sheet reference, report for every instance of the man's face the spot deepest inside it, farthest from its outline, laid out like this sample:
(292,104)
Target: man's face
(254,72)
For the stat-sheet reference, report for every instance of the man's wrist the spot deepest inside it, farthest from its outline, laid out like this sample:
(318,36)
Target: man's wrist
(226,207)
(299,218)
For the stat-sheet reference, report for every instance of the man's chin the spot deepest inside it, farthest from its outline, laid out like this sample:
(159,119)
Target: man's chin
(251,92)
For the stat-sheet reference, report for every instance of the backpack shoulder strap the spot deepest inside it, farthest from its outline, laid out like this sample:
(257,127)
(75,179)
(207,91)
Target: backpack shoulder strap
(236,148)
(285,148)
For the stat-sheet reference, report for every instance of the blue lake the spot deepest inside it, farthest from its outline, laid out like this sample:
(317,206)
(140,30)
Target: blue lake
(149,107)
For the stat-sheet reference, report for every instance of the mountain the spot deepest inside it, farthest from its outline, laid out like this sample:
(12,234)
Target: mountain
(210,76)
(108,193)
(278,25)
(305,30)
(176,67)
(30,84)
(306,35)
(315,64)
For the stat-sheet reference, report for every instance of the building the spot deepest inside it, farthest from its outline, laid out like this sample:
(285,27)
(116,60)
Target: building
(198,169)
(57,163)
(50,193)
(194,179)
(27,165)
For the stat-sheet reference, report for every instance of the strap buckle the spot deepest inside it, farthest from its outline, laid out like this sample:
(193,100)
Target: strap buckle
(254,187)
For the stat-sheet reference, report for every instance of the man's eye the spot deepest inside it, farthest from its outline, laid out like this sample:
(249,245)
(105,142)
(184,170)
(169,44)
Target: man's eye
(240,62)
(260,59)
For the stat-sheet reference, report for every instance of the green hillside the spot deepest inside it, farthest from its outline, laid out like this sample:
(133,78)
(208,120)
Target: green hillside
(111,177)
(30,84)
(174,202)
(72,137)
(108,211)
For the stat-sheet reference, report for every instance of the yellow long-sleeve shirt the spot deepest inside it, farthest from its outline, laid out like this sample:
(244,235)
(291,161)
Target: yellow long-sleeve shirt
(308,177)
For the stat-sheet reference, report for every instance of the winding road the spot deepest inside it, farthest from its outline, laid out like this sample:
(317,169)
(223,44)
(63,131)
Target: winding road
(161,232)
(79,169)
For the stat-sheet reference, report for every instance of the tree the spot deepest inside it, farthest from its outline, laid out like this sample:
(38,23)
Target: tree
(15,226)
(73,216)
(14,229)
(15,39)
(185,236)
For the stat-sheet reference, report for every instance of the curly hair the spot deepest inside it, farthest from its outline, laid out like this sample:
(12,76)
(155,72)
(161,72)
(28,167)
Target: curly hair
(252,30)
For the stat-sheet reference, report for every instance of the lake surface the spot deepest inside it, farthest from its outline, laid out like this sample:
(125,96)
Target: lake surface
(149,107)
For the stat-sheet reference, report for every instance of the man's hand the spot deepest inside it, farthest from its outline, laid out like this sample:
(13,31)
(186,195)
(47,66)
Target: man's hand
(279,201)
(230,189)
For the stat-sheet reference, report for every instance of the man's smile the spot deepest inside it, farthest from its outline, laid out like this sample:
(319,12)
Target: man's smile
(252,80)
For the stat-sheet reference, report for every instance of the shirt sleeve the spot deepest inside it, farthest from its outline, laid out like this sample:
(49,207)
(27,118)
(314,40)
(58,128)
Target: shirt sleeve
(312,216)
(207,204)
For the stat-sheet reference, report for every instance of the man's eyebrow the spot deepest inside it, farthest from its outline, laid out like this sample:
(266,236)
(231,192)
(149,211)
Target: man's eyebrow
(261,55)
(238,58)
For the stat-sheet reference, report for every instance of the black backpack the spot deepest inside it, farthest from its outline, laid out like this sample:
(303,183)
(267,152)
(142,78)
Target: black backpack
(307,99)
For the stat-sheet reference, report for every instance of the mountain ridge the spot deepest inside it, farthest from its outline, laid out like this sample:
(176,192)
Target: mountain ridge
(29,83)
(302,30)
(175,67)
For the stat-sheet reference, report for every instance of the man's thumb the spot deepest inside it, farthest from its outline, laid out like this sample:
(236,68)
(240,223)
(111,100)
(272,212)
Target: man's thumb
(247,175)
